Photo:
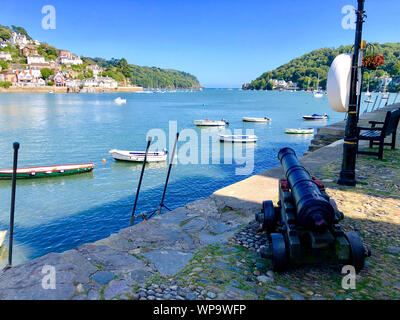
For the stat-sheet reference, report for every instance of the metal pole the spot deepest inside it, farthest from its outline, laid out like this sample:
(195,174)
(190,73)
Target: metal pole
(347,174)
(140,181)
(12,210)
(376,99)
(169,172)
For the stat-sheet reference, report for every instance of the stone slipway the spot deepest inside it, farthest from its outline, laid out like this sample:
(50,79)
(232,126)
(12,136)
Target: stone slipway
(116,267)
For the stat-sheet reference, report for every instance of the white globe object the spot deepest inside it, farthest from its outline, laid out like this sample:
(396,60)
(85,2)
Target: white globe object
(339,81)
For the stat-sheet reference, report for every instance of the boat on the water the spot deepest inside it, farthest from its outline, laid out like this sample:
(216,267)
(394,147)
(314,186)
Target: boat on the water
(2,236)
(299,131)
(368,101)
(238,138)
(138,156)
(47,171)
(316,117)
(318,94)
(210,123)
(119,100)
(250,119)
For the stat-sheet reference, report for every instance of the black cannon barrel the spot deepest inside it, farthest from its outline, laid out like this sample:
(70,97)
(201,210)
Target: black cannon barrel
(313,210)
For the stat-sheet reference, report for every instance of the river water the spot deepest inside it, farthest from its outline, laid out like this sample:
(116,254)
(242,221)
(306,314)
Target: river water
(56,214)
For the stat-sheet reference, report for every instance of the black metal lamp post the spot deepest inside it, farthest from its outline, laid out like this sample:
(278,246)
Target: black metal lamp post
(347,174)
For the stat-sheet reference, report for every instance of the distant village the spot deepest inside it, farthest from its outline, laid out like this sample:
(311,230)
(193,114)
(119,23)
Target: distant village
(62,74)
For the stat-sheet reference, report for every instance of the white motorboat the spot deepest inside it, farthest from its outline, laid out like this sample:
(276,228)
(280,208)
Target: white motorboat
(238,138)
(369,101)
(119,100)
(2,236)
(318,95)
(138,156)
(299,131)
(210,123)
(316,117)
(250,119)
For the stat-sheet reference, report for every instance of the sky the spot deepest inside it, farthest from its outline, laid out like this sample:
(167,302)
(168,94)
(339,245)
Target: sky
(224,43)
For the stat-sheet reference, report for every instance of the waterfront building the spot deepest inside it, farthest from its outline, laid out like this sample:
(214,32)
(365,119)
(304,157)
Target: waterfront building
(58,79)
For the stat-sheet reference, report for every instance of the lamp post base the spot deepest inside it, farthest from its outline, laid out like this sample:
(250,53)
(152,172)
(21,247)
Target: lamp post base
(347,178)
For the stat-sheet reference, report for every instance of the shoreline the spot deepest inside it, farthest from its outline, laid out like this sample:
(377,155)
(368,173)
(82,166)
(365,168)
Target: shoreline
(46,89)
(162,247)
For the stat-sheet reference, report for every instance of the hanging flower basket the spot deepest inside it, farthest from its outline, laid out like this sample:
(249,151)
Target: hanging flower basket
(373,61)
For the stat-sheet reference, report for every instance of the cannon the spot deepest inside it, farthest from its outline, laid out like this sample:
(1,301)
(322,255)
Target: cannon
(304,226)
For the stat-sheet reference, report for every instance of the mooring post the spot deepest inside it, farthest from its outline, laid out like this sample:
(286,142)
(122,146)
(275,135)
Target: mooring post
(12,210)
(169,172)
(376,100)
(140,181)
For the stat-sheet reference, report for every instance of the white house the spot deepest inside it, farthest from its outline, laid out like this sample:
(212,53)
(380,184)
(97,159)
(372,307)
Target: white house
(73,83)
(5,56)
(91,83)
(25,76)
(68,58)
(95,68)
(18,39)
(107,82)
(36,60)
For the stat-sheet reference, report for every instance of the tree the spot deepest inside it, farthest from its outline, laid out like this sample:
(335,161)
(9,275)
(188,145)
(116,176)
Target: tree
(21,31)
(270,85)
(46,73)
(4,65)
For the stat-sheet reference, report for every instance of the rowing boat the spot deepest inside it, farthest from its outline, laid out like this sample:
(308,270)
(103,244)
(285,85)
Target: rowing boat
(47,171)
(2,236)
(300,131)
(209,123)
(238,138)
(250,119)
(138,156)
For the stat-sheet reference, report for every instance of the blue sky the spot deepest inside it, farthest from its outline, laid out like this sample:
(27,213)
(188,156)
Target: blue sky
(223,42)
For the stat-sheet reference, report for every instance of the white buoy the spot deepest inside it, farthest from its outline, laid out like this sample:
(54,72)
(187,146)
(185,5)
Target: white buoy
(339,81)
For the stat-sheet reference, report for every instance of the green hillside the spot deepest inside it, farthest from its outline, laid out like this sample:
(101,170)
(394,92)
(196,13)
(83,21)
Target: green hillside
(305,69)
(148,77)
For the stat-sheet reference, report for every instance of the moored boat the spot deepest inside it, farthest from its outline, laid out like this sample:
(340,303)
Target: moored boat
(299,131)
(47,171)
(210,123)
(250,119)
(2,236)
(119,100)
(316,117)
(238,138)
(138,156)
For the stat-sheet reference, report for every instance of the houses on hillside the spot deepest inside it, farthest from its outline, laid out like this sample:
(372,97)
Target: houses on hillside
(67,58)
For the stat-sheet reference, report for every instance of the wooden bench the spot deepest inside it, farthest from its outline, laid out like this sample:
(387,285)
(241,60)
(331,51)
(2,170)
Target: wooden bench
(376,135)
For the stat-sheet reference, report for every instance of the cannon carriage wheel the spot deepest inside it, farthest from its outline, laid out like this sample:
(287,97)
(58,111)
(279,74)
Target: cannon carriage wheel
(279,252)
(357,250)
(269,222)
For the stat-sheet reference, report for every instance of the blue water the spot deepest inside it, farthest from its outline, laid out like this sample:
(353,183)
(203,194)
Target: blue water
(57,214)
